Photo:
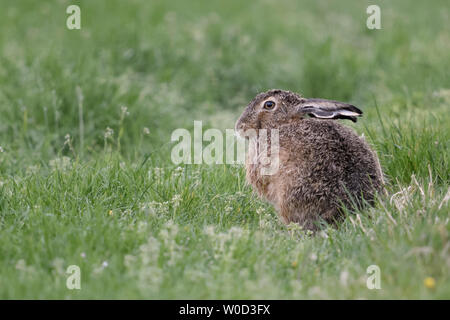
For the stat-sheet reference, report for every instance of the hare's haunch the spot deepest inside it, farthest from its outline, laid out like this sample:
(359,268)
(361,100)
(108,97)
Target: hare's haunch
(322,165)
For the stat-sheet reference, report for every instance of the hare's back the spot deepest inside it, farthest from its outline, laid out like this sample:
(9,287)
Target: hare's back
(331,157)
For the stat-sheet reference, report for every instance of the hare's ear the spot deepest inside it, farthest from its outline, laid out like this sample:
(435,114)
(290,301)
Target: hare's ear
(329,109)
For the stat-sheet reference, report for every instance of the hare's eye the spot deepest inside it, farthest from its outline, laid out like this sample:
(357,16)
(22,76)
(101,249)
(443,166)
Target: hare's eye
(269,105)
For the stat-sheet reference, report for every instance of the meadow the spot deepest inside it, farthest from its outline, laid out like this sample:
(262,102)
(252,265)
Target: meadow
(86,176)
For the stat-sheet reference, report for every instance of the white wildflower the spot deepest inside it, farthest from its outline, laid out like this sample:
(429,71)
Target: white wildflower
(323,234)
(67,139)
(176,200)
(156,173)
(228,209)
(177,172)
(125,112)
(108,133)
(100,268)
(259,211)
(22,266)
(62,164)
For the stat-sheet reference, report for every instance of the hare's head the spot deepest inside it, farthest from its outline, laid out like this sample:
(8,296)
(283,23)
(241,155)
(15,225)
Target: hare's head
(277,107)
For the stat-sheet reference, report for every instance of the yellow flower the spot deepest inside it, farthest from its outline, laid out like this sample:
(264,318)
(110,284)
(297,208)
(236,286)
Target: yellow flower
(429,282)
(110,212)
(294,264)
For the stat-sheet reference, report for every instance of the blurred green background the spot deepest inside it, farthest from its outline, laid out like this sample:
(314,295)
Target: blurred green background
(172,62)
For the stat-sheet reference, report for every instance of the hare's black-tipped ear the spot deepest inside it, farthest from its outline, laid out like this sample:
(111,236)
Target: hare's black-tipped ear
(329,109)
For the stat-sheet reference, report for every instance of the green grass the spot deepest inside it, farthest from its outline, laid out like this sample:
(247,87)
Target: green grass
(198,231)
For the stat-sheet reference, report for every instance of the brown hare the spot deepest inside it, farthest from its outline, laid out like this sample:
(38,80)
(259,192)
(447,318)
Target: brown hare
(322,165)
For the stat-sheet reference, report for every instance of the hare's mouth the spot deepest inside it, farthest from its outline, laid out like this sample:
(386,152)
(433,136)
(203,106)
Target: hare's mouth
(239,133)
(246,133)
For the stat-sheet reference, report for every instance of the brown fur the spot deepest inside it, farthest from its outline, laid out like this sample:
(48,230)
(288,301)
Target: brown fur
(323,164)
